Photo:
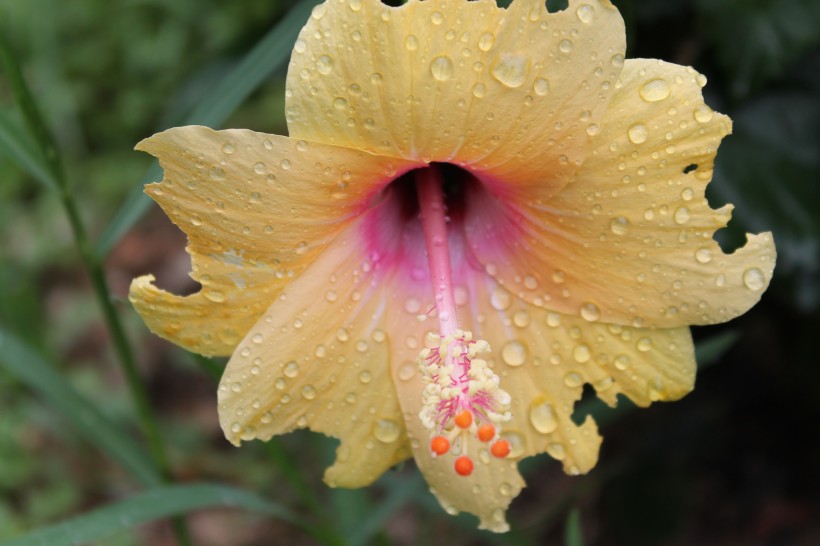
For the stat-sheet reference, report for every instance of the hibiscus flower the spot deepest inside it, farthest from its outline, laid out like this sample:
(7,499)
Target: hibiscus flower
(478,211)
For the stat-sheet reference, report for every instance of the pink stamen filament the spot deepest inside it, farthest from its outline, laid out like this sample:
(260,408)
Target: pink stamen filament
(434,224)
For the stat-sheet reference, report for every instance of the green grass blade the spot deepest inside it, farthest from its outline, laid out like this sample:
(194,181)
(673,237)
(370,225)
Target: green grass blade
(268,56)
(573,535)
(34,371)
(16,144)
(141,508)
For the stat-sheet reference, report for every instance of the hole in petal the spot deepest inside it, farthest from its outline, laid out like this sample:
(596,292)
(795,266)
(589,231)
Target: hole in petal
(554,6)
(689,168)
(589,404)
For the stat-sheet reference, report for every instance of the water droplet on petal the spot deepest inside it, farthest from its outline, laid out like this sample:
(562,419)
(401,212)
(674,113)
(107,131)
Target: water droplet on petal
(511,70)
(308,392)
(703,114)
(754,279)
(590,312)
(703,255)
(437,18)
(585,13)
(517,443)
(644,344)
(407,371)
(541,87)
(485,42)
(324,64)
(565,46)
(514,353)
(228,148)
(442,68)
(637,133)
(619,225)
(291,369)
(581,353)
(655,90)
(622,362)
(386,430)
(365,377)
(500,299)
(681,215)
(411,42)
(479,90)
(542,416)
(573,379)
(557,451)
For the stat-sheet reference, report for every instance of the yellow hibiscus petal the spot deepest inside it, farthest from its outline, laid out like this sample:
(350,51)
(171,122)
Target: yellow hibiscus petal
(455,81)
(629,241)
(543,360)
(318,359)
(257,210)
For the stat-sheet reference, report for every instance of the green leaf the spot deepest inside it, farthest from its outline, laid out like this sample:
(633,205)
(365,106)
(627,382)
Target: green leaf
(31,369)
(141,508)
(268,56)
(573,535)
(15,143)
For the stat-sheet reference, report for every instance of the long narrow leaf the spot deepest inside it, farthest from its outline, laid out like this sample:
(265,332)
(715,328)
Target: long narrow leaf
(159,503)
(268,56)
(16,144)
(35,372)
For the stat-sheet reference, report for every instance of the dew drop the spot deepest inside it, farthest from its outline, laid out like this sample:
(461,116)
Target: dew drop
(285,164)
(407,371)
(542,416)
(517,443)
(259,168)
(228,148)
(355,5)
(637,133)
(581,353)
(324,64)
(619,225)
(500,299)
(308,392)
(479,90)
(442,68)
(236,387)
(541,87)
(300,46)
(681,215)
(590,312)
(511,70)
(365,377)
(437,18)
(485,42)
(557,451)
(215,296)
(573,379)
(505,489)
(412,305)
(342,335)
(386,430)
(644,344)
(521,319)
(279,384)
(585,13)
(655,90)
(703,114)
(754,279)
(565,46)
(621,362)
(703,255)
(514,353)
(291,369)
(411,42)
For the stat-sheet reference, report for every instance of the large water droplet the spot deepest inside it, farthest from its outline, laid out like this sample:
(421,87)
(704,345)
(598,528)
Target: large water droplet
(511,70)
(500,299)
(590,312)
(585,13)
(485,42)
(621,362)
(542,416)
(703,255)
(291,369)
(324,64)
(581,353)
(514,353)
(638,133)
(619,225)
(681,215)
(655,90)
(754,279)
(517,443)
(541,87)
(386,430)
(308,392)
(442,68)
(703,114)
(411,42)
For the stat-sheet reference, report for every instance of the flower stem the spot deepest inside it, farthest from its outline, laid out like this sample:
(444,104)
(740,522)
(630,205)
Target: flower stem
(434,223)
(93,265)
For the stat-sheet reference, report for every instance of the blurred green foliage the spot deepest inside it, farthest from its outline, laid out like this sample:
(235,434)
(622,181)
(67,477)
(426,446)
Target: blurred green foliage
(108,73)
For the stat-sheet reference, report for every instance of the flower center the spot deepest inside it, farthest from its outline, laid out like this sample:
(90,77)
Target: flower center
(461,397)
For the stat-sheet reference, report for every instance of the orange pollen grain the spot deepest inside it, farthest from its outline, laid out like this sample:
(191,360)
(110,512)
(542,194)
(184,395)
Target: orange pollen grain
(464,466)
(500,449)
(486,432)
(440,445)
(464,419)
